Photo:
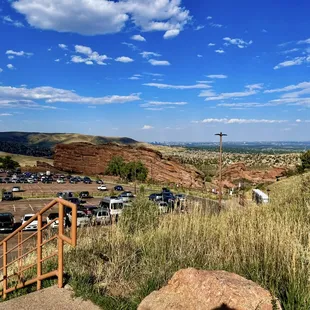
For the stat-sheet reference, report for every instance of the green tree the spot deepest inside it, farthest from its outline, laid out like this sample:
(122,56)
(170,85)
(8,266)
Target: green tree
(116,166)
(136,170)
(305,160)
(7,163)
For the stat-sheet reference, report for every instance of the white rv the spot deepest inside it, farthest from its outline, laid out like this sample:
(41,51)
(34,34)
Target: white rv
(259,197)
(113,204)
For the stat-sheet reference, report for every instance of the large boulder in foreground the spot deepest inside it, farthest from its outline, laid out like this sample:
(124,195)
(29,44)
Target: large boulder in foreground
(192,289)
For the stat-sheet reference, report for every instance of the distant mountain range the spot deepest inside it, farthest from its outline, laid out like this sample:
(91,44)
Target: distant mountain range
(42,144)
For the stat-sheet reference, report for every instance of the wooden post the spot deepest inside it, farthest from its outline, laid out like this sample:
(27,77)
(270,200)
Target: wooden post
(60,245)
(39,252)
(5,280)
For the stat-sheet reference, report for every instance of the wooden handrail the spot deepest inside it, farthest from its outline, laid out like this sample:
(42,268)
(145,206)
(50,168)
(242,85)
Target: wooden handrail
(39,244)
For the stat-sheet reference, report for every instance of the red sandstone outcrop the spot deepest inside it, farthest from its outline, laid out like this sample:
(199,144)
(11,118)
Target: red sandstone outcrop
(93,159)
(192,289)
(238,171)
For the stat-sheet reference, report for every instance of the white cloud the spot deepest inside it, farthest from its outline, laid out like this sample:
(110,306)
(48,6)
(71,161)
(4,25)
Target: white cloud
(95,17)
(209,17)
(220,51)
(216,25)
(21,53)
(154,74)
(124,59)
(217,76)
(148,54)
(138,37)
(154,62)
(204,82)
(211,44)
(307,41)
(293,50)
(11,57)
(8,20)
(241,121)
(238,42)
(298,121)
(165,104)
(254,86)
(147,127)
(134,78)
(6,114)
(130,45)
(53,95)
(1,70)
(199,27)
(264,30)
(10,66)
(63,46)
(169,34)
(302,85)
(199,56)
(251,90)
(207,93)
(168,86)
(57,60)
(89,57)
(294,62)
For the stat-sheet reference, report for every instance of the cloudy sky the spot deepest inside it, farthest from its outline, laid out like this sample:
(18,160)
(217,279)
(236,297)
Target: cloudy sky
(156,70)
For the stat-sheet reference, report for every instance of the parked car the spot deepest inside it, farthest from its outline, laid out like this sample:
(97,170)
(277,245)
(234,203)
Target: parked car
(101,217)
(74,181)
(165,190)
(61,181)
(163,206)
(74,200)
(84,194)
(102,187)
(53,216)
(88,209)
(118,188)
(7,195)
(30,180)
(180,197)
(65,194)
(82,219)
(87,180)
(155,197)
(99,182)
(6,222)
(16,189)
(127,194)
(168,197)
(33,225)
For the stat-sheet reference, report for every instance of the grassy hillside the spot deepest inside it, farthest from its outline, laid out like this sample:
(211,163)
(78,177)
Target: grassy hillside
(26,160)
(49,140)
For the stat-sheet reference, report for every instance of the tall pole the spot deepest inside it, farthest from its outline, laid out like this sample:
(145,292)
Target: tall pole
(221,135)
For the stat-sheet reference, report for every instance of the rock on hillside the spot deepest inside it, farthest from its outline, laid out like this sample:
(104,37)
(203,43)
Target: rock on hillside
(192,289)
(238,171)
(91,159)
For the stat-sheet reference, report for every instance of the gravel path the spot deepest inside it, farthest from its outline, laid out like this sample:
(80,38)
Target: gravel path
(51,298)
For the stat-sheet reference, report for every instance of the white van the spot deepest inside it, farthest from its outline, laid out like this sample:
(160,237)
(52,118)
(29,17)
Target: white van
(113,204)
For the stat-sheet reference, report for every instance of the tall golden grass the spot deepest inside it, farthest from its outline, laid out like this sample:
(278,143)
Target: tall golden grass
(267,244)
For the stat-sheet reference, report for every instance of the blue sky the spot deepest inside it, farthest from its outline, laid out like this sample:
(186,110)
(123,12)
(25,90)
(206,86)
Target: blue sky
(156,70)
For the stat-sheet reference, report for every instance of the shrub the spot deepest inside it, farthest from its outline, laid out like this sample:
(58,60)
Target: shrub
(305,160)
(142,216)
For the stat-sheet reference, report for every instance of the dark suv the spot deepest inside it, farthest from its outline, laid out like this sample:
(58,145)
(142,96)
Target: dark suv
(84,194)
(6,222)
(7,196)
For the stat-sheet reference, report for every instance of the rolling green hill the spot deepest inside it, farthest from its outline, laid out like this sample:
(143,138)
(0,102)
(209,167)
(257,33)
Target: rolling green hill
(42,144)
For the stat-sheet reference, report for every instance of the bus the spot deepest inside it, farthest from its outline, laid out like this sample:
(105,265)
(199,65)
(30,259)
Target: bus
(259,197)
(113,204)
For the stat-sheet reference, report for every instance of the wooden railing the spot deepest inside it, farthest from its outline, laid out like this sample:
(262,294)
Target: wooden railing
(61,239)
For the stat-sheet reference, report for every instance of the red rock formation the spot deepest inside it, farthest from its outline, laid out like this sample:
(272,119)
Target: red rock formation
(192,289)
(93,159)
(238,171)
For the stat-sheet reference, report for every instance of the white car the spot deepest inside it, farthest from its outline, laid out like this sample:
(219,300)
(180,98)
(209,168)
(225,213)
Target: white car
(102,188)
(60,181)
(30,180)
(33,225)
(101,217)
(82,219)
(53,216)
(16,189)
